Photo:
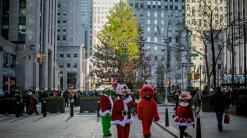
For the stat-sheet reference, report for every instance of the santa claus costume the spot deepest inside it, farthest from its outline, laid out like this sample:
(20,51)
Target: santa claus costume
(147,109)
(184,114)
(121,112)
(105,111)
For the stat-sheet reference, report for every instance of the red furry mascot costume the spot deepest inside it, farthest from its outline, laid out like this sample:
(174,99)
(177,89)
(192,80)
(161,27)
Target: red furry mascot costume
(147,109)
(121,112)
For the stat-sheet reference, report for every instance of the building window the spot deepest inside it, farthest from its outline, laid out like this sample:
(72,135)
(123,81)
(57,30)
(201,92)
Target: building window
(155,40)
(155,21)
(219,66)
(155,14)
(166,7)
(75,54)
(148,29)
(148,21)
(162,22)
(148,13)
(64,37)
(68,65)
(162,14)
(171,0)
(64,21)
(148,39)
(68,55)
(61,55)
(58,13)
(171,7)
(58,30)
(75,65)
(58,37)
(64,30)
(58,21)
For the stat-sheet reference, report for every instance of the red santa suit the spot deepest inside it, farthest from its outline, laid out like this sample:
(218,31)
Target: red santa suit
(121,113)
(147,109)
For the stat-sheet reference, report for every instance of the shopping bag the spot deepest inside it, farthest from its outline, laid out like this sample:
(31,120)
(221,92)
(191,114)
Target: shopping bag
(226,119)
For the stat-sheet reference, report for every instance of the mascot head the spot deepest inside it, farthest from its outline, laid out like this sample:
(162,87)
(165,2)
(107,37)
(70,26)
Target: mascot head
(147,92)
(185,96)
(107,92)
(121,90)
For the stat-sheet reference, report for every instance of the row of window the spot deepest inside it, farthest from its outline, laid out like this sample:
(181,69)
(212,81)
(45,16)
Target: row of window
(68,55)
(64,21)
(58,37)
(68,65)
(171,7)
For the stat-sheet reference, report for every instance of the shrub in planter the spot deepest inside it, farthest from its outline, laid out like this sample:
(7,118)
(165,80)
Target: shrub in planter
(88,103)
(241,105)
(7,105)
(206,106)
(55,104)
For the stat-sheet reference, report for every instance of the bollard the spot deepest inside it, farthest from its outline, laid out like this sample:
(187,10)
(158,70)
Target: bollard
(71,108)
(44,108)
(98,109)
(17,110)
(198,127)
(166,118)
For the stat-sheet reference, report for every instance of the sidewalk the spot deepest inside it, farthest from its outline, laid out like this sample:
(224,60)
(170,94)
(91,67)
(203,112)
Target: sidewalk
(236,128)
(61,125)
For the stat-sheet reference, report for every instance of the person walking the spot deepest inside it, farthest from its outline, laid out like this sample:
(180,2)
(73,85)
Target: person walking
(147,109)
(219,103)
(197,101)
(123,107)
(105,111)
(184,114)
(33,103)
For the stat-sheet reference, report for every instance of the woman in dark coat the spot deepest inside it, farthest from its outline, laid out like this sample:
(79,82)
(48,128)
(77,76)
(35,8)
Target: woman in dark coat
(219,103)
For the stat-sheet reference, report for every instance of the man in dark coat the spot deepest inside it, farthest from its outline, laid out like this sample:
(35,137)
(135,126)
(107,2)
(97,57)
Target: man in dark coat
(219,103)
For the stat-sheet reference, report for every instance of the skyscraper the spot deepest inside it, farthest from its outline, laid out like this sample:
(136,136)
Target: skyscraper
(70,43)
(162,21)
(31,26)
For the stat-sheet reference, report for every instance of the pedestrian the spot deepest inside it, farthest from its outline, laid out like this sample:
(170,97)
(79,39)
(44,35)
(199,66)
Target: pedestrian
(66,98)
(71,95)
(122,110)
(18,103)
(33,103)
(105,111)
(219,103)
(197,101)
(184,113)
(147,109)
(27,100)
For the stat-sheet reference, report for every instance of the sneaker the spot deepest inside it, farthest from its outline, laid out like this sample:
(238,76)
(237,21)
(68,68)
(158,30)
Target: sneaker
(108,135)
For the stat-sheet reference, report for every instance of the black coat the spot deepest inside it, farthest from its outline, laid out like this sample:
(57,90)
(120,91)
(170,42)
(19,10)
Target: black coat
(219,102)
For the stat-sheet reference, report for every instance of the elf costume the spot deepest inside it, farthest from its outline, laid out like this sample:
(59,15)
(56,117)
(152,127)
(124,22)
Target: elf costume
(105,111)
(121,112)
(147,109)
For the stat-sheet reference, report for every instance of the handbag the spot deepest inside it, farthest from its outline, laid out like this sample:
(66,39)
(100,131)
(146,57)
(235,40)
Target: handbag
(226,118)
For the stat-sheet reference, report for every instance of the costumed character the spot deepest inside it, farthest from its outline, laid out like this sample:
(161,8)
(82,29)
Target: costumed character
(147,109)
(184,113)
(121,112)
(105,111)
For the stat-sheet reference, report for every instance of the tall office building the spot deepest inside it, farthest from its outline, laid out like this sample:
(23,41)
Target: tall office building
(31,25)
(70,43)
(162,21)
(235,50)
(198,20)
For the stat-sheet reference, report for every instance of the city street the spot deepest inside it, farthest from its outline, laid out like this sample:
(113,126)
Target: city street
(60,125)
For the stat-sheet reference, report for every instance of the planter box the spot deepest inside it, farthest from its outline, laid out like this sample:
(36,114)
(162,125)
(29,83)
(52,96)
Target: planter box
(89,105)
(241,105)
(7,105)
(206,106)
(56,105)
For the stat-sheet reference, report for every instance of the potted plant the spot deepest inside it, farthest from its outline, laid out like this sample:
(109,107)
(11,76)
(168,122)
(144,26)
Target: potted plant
(88,103)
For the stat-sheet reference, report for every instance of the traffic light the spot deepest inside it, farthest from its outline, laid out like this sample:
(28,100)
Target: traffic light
(39,57)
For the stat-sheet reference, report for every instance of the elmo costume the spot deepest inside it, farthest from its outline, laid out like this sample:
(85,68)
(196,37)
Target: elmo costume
(105,111)
(147,109)
(121,112)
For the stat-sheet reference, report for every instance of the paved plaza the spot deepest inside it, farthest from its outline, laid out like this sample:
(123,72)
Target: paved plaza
(61,125)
